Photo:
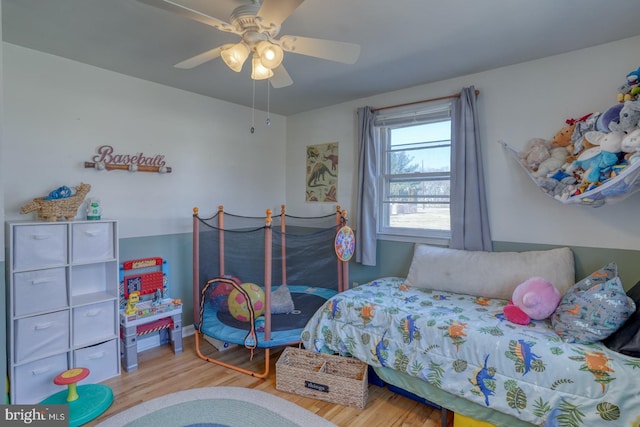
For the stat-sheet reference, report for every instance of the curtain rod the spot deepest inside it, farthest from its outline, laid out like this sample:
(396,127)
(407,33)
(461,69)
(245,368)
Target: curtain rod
(420,102)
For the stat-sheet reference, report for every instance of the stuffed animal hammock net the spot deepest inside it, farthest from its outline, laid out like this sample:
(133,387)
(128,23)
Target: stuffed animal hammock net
(612,190)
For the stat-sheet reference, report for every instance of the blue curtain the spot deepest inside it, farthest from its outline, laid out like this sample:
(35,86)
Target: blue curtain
(469,218)
(367,197)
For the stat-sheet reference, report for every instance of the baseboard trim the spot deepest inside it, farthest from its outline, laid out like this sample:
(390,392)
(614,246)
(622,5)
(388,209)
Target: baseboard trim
(188,331)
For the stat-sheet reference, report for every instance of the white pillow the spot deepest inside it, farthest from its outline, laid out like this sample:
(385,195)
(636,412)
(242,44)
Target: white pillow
(488,274)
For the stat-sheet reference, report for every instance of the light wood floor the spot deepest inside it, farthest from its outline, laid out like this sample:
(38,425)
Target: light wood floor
(161,372)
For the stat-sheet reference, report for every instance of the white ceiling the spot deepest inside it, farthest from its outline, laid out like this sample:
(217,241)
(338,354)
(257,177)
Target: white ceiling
(403,42)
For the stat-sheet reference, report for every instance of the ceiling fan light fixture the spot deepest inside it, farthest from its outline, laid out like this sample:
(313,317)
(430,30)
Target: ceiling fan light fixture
(258,70)
(258,25)
(270,54)
(235,56)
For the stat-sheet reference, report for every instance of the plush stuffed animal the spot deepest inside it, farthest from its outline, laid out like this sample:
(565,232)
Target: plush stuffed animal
(559,185)
(535,152)
(564,138)
(604,155)
(584,124)
(610,116)
(553,163)
(535,298)
(631,146)
(631,89)
(629,117)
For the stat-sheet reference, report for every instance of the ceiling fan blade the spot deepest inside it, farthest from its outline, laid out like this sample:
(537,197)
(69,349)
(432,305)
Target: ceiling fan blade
(346,53)
(281,77)
(179,9)
(273,12)
(202,58)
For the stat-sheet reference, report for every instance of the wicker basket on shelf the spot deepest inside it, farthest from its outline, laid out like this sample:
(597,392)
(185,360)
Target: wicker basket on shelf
(51,210)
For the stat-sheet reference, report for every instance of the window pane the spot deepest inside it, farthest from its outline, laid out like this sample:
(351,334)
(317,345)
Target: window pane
(424,148)
(435,159)
(420,216)
(425,205)
(416,184)
(426,192)
(422,132)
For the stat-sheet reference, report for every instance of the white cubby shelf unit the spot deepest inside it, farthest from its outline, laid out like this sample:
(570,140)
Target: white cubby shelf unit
(62,303)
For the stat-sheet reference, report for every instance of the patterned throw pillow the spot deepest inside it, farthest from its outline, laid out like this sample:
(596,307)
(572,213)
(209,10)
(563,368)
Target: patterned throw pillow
(593,308)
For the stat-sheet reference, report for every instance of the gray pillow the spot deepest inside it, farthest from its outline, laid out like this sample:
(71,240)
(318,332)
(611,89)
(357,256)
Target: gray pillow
(594,308)
(281,301)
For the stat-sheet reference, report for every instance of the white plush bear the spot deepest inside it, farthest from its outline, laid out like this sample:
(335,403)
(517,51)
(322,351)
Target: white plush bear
(535,152)
(553,163)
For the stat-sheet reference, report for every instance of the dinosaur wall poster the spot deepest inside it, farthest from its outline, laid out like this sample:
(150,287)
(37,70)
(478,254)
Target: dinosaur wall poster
(322,173)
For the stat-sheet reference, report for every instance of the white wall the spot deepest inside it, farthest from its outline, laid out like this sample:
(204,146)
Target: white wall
(516,103)
(58,112)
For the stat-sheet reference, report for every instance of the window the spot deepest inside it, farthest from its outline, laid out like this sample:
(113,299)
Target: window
(415,173)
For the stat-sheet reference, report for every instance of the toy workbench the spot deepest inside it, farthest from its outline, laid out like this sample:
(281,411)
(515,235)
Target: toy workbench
(145,306)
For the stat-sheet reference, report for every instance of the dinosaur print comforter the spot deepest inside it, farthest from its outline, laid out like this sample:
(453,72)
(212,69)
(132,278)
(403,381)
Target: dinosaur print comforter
(463,344)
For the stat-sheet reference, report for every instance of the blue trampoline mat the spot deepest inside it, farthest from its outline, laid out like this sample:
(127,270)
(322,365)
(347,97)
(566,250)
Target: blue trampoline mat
(285,328)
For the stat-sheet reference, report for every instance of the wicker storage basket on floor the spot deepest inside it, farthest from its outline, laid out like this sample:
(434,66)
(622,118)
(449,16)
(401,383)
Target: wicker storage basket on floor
(334,379)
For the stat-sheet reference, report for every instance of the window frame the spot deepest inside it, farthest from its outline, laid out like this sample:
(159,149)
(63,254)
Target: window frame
(384,125)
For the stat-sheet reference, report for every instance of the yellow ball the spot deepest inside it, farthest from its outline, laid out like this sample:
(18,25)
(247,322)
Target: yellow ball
(238,304)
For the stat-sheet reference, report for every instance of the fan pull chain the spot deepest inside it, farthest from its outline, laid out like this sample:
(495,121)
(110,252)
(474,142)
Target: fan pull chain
(268,119)
(253,107)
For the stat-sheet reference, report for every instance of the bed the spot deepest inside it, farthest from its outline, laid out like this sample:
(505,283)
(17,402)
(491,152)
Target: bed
(457,350)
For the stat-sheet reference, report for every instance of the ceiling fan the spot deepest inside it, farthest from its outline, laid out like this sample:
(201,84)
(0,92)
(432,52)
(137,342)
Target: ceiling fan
(258,23)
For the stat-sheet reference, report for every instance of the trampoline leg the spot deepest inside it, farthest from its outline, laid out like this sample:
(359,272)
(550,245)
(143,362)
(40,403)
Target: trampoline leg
(262,374)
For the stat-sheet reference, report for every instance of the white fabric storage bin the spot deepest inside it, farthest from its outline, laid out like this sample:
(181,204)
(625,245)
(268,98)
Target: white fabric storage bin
(94,323)
(40,290)
(92,242)
(38,246)
(41,335)
(101,359)
(34,380)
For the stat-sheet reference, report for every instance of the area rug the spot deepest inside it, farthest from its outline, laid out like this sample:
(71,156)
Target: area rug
(216,407)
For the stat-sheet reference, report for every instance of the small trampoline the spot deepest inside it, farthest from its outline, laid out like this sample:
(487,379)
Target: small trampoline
(296,254)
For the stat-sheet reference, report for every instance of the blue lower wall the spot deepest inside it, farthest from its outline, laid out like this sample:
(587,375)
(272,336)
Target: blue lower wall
(394,259)
(177,250)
